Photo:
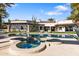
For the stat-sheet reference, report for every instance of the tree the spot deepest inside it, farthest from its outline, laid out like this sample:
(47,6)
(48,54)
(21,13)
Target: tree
(74,13)
(51,20)
(4,26)
(35,26)
(75,16)
(3,12)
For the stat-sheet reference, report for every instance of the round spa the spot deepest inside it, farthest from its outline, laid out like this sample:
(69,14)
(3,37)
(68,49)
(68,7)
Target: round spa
(25,44)
(29,45)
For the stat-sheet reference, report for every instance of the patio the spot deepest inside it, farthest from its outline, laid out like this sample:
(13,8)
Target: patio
(67,48)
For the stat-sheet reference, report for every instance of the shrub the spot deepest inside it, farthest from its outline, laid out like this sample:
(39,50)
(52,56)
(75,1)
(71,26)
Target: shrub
(12,35)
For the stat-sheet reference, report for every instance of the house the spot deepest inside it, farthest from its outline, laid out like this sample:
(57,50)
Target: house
(60,26)
(23,25)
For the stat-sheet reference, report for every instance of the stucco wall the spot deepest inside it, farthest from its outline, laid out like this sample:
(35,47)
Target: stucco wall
(60,30)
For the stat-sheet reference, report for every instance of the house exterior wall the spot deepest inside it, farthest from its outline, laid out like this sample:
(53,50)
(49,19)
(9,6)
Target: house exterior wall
(73,29)
(60,29)
(17,27)
(18,24)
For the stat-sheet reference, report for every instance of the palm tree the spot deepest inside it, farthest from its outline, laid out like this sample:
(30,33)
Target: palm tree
(3,12)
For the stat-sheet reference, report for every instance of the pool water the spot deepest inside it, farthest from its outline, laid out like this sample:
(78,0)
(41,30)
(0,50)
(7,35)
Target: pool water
(37,42)
(63,36)
(28,45)
(50,35)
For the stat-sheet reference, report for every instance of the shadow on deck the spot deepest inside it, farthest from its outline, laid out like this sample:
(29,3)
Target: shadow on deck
(2,37)
(64,41)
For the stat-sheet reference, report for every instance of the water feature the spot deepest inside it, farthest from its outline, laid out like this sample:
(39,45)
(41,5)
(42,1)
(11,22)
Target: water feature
(25,44)
(31,41)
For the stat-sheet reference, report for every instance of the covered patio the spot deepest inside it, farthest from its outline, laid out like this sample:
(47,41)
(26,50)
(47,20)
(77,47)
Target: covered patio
(64,27)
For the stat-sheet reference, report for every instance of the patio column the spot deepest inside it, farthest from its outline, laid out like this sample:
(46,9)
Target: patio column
(8,29)
(43,27)
(39,28)
(73,28)
(50,27)
(28,29)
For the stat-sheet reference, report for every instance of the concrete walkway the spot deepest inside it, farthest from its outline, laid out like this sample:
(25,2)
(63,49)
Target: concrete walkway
(67,48)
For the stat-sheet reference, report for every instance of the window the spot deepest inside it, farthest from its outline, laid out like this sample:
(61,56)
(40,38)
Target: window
(60,28)
(21,27)
(53,28)
(69,28)
(40,27)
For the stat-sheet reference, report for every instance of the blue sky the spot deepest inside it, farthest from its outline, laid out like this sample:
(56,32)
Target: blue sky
(43,11)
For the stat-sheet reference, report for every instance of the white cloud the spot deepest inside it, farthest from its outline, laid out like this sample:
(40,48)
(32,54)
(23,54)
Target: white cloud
(58,10)
(53,13)
(62,8)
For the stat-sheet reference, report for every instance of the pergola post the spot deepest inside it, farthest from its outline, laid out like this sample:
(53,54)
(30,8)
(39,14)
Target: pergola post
(43,28)
(8,28)
(28,30)
(39,28)
(50,28)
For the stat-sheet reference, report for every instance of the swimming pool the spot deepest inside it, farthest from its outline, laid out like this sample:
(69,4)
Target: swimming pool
(50,35)
(37,42)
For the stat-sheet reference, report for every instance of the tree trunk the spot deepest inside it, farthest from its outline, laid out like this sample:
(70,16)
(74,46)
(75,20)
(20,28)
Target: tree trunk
(77,28)
(0,22)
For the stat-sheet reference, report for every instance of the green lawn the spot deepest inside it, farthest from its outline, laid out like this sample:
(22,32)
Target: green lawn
(64,32)
(48,33)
